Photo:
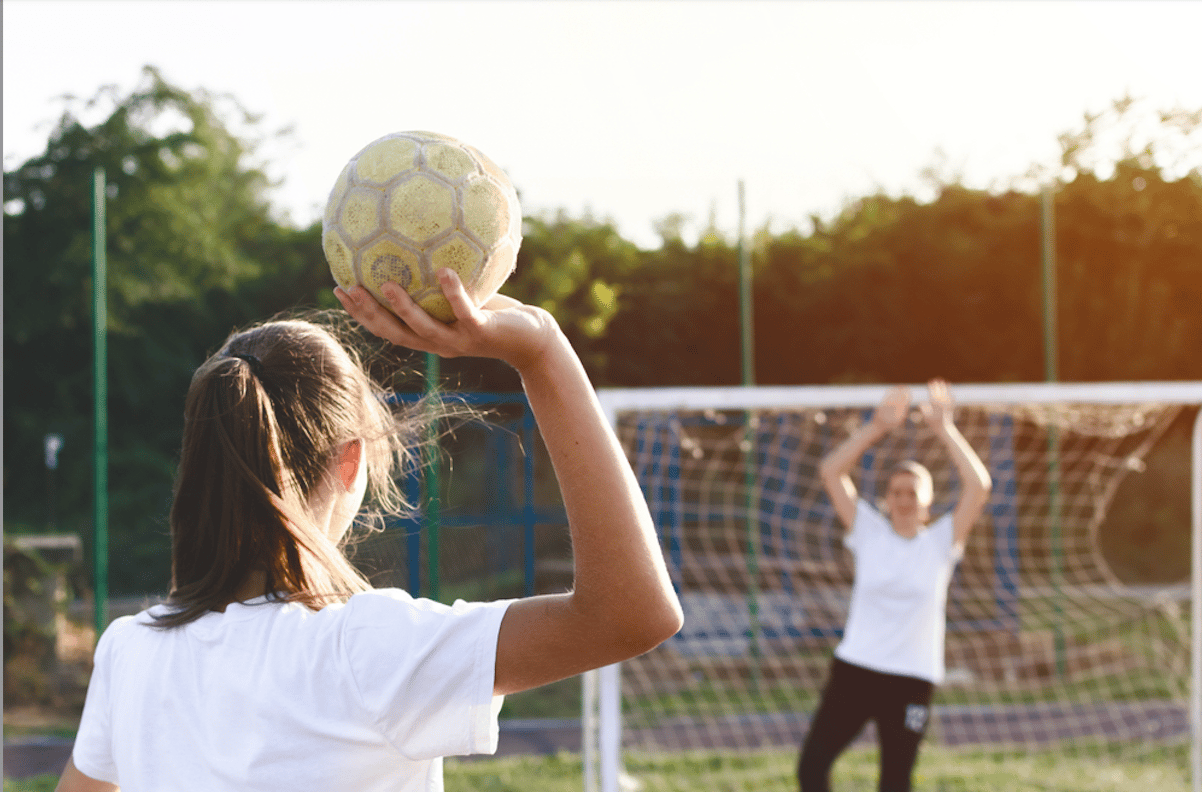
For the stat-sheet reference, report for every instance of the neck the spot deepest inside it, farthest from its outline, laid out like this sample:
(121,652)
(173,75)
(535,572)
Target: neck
(255,585)
(908,528)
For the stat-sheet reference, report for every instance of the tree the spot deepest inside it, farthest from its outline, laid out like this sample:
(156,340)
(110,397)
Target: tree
(1129,245)
(576,269)
(192,252)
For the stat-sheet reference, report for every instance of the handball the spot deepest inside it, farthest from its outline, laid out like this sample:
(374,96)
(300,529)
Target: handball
(411,203)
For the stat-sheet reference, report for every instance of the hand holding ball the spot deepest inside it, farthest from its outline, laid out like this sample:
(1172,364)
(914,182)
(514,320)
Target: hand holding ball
(411,203)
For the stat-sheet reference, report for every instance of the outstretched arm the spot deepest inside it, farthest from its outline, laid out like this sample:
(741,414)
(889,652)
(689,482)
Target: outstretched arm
(974,477)
(836,466)
(623,603)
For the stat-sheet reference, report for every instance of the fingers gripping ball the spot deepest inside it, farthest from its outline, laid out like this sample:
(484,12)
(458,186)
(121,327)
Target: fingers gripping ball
(411,203)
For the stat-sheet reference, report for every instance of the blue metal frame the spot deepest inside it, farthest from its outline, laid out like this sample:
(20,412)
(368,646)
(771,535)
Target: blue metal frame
(498,515)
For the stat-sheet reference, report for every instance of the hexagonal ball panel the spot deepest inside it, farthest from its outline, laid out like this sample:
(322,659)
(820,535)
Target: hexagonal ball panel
(486,210)
(335,199)
(498,266)
(450,161)
(386,260)
(491,168)
(421,208)
(360,214)
(340,258)
(386,159)
(461,255)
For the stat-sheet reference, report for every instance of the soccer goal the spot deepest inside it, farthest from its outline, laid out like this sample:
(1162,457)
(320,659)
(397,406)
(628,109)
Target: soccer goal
(1068,632)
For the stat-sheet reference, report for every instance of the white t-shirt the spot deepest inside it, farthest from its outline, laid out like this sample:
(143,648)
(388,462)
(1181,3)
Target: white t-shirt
(273,696)
(897,618)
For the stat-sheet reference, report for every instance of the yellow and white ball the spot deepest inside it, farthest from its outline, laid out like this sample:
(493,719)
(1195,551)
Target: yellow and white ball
(411,203)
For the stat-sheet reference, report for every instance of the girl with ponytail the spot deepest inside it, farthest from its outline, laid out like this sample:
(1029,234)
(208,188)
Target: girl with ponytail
(274,665)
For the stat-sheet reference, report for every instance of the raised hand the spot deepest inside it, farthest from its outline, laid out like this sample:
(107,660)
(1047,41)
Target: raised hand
(938,411)
(891,412)
(502,328)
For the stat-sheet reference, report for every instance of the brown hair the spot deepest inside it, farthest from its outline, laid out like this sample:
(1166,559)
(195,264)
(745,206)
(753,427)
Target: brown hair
(263,419)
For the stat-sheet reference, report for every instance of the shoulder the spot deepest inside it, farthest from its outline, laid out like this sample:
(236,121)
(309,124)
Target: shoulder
(868,521)
(943,532)
(122,630)
(944,525)
(390,627)
(119,639)
(390,607)
(868,515)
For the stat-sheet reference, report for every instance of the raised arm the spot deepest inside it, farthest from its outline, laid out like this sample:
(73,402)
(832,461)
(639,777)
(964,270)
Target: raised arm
(974,476)
(836,466)
(622,603)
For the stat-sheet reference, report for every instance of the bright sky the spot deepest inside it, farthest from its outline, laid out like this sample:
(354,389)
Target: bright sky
(628,109)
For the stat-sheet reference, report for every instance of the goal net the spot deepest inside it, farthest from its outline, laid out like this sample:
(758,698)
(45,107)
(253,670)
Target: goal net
(1068,651)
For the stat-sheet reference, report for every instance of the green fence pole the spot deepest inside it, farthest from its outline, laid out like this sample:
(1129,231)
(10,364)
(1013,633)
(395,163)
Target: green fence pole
(1051,374)
(750,480)
(100,535)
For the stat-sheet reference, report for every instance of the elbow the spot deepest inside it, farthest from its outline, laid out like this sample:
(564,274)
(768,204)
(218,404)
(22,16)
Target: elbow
(655,623)
(673,620)
(986,482)
(829,474)
(826,469)
(661,623)
(982,491)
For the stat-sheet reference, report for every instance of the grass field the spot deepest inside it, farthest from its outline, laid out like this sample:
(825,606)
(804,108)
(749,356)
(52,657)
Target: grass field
(937,771)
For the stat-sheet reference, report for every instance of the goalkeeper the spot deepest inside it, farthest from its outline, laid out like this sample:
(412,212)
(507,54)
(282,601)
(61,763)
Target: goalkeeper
(891,655)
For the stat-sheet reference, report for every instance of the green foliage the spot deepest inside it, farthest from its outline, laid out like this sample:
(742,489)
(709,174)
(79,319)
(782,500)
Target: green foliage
(25,576)
(892,289)
(192,253)
(576,269)
(36,588)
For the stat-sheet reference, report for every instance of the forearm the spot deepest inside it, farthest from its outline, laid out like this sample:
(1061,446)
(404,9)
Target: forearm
(974,476)
(844,456)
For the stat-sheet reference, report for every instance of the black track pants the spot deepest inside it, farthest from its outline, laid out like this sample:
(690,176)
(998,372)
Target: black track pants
(899,705)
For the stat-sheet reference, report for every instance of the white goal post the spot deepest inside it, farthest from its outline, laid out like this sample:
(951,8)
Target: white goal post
(1141,411)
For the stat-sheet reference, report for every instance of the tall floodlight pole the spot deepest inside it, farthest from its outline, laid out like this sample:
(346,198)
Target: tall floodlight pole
(100,518)
(1051,374)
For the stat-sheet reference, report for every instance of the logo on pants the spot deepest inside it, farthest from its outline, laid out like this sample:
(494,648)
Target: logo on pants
(916,717)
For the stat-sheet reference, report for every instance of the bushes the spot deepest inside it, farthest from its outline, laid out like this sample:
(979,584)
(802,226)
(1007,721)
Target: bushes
(36,592)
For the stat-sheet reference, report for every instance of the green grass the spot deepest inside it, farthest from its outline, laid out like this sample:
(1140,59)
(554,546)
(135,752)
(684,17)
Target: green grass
(63,730)
(42,783)
(938,770)
(558,700)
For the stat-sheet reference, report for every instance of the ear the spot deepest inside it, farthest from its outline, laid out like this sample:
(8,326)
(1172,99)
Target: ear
(348,457)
